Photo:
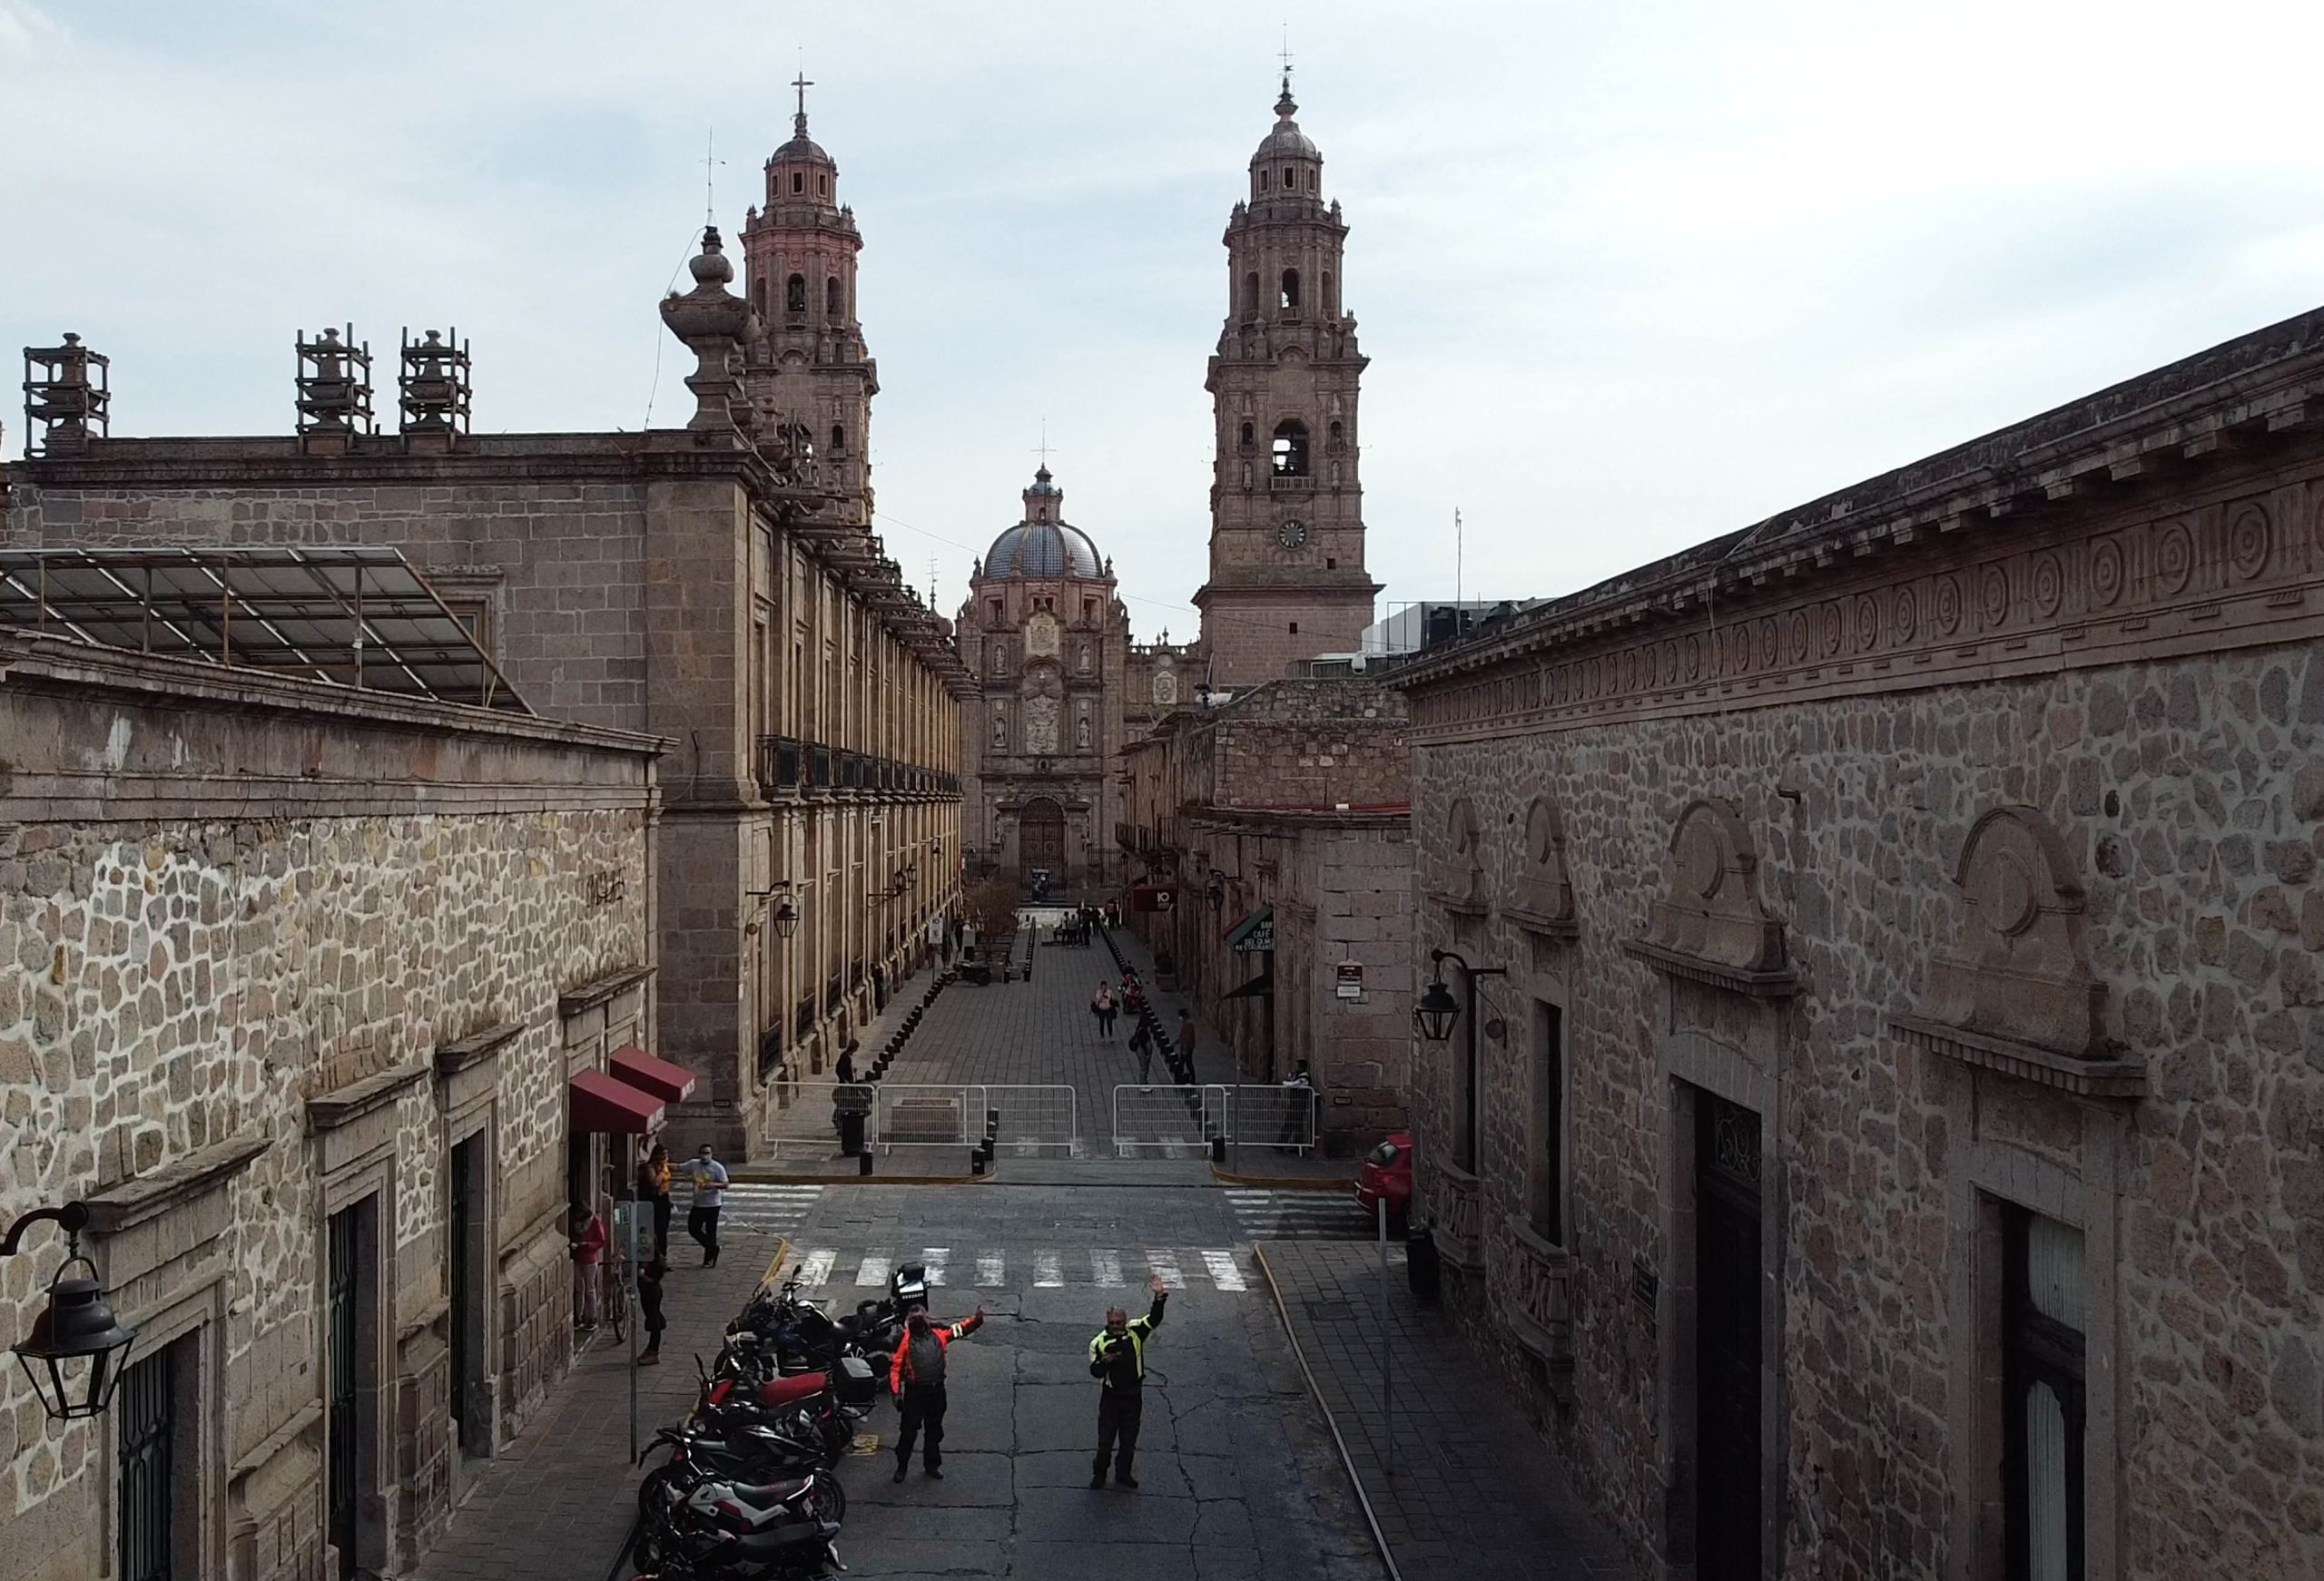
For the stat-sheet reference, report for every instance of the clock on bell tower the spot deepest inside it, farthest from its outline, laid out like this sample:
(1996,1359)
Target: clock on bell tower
(1286,577)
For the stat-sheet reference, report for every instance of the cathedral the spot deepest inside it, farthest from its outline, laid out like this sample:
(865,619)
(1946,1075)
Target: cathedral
(1063,685)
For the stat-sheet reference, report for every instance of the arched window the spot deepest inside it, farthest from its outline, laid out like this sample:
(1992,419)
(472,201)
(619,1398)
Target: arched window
(798,181)
(758,297)
(1251,292)
(1338,440)
(794,294)
(834,297)
(1289,301)
(1263,181)
(1246,435)
(1331,302)
(1291,449)
(839,438)
(1290,178)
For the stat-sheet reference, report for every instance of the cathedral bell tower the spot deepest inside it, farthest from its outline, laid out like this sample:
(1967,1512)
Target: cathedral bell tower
(1287,579)
(812,378)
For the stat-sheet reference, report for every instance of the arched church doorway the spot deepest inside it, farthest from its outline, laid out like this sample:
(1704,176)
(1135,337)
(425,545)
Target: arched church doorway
(1040,839)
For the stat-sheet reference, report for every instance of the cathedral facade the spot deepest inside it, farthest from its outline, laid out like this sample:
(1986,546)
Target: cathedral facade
(1062,690)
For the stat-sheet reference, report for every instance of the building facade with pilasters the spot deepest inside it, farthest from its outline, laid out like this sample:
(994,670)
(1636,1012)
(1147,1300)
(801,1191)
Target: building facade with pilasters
(1889,1138)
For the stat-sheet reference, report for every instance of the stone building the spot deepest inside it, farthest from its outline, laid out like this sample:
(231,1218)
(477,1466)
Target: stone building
(308,992)
(1061,686)
(714,584)
(1277,827)
(1895,1143)
(1286,575)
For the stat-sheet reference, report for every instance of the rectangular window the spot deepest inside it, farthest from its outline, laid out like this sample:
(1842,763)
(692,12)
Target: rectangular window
(156,1519)
(1549,1124)
(2044,1311)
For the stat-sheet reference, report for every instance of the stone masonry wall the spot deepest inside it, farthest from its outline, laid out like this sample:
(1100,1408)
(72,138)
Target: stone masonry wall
(289,898)
(2190,797)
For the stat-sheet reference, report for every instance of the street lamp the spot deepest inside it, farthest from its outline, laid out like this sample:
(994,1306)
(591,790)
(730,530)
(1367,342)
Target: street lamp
(1434,1016)
(786,919)
(1217,892)
(77,1326)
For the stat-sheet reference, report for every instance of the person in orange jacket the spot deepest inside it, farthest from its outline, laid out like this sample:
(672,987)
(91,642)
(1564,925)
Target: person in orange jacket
(916,1375)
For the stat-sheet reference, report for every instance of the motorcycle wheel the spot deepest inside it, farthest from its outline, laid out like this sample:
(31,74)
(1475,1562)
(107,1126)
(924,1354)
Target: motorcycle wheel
(828,1502)
(653,1502)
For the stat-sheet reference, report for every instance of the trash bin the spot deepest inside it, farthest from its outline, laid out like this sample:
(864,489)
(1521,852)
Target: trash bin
(1422,1269)
(850,1133)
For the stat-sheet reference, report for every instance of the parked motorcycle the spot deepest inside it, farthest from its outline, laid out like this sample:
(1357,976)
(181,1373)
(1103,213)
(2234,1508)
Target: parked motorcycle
(694,1521)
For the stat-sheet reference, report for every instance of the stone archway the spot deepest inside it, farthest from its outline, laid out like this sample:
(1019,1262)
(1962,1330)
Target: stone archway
(1040,839)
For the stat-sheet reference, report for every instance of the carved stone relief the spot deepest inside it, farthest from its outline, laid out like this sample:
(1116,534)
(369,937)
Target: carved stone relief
(1041,724)
(1709,911)
(1041,636)
(1166,688)
(1539,889)
(2017,969)
(1461,873)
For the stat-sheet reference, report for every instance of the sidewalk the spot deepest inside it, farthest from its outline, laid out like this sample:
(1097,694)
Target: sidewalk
(559,1500)
(1476,1493)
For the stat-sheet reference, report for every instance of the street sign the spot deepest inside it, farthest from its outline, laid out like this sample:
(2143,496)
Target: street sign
(1254,934)
(1348,982)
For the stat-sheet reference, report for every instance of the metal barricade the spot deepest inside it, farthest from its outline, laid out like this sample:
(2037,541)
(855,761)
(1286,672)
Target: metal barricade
(803,1120)
(1271,1115)
(1021,1118)
(1159,1121)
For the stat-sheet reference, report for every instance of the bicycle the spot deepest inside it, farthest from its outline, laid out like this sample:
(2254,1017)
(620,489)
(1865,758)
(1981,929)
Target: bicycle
(614,1297)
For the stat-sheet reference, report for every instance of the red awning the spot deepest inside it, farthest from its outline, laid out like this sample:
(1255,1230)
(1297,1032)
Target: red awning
(601,1104)
(671,1083)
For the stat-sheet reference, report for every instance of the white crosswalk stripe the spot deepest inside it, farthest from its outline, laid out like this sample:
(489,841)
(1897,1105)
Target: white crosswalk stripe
(1262,1214)
(933,1260)
(1224,1270)
(773,1209)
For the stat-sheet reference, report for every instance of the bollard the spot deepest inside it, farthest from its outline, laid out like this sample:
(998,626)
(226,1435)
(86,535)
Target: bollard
(1218,1150)
(864,1162)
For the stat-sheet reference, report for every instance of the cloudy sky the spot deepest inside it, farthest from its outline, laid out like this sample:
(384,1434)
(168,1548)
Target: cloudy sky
(1629,275)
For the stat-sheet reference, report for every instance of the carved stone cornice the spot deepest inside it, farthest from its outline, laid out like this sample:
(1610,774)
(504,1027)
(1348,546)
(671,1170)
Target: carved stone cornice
(2128,523)
(589,996)
(1782,983)
(341,1105)
(2101,1078)
(133,1202)
(453,1057)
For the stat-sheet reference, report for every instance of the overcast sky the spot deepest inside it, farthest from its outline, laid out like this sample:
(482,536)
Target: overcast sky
(1629,274)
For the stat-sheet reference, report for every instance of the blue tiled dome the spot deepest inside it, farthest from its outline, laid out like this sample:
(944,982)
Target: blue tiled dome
(1042,549)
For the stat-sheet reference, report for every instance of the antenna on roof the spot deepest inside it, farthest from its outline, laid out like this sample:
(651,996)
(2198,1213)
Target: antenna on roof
(709,157)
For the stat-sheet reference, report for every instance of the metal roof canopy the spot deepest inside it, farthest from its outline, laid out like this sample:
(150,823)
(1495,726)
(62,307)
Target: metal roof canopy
(354,616)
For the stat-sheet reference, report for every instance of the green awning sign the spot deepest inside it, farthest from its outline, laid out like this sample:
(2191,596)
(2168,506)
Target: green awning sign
(1254,933)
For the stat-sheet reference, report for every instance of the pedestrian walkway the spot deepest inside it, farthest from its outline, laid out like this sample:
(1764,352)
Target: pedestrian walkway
(847,1270)
(1040,1033)
(558,1502)
(1476,1493)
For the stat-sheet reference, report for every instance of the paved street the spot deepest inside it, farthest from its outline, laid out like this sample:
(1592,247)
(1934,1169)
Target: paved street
(1241,1477)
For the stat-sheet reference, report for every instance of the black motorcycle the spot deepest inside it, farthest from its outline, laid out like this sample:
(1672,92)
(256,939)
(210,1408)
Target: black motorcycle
(696,1521)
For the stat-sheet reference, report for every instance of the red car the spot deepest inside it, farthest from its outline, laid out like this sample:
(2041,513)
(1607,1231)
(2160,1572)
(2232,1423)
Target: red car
(1387,1176)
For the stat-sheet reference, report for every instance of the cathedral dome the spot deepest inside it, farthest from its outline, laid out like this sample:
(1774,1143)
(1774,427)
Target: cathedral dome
(1042,549)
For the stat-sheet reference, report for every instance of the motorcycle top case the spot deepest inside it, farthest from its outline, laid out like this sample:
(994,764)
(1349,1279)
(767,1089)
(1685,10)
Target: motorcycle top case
(856,1382)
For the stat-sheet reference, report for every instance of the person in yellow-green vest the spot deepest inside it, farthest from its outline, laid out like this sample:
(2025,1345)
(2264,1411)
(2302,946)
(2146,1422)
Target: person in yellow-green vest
(1117,1360)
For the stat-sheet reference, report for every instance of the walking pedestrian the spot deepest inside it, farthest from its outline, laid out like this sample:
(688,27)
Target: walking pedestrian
(1102,1007)
(1141,1043)
(649,1302)
(916,1377)
(1117,1360)
(1186,1036)
(709,1196)
(653,1189)
(586,1234)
